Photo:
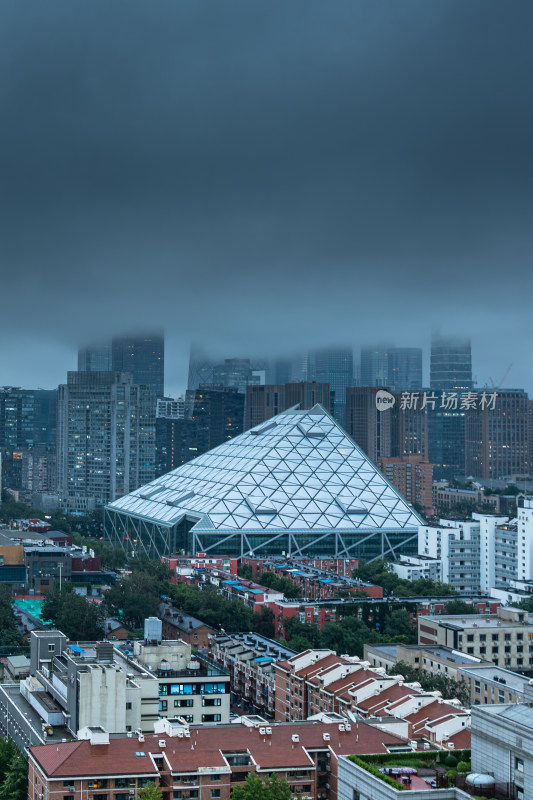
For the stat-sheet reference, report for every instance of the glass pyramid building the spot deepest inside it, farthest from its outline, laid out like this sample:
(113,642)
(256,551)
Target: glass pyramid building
(295,485)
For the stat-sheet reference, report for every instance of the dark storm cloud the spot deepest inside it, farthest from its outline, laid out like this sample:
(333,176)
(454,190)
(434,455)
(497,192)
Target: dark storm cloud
(265,176)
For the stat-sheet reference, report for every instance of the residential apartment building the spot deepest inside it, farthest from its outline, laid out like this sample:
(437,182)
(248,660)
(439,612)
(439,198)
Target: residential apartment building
(412,475)
(319,681)
(489,684)
(502,740)
(203,763)
(505,638)
(250,659)
(456,545)
(105,438)
(178,625)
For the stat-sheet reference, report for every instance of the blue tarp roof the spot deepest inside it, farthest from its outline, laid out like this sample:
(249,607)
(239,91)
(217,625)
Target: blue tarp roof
(264,658)
(76,649)
(231,583)
(256,591)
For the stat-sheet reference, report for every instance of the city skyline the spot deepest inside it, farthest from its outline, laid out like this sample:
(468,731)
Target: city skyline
(265,177)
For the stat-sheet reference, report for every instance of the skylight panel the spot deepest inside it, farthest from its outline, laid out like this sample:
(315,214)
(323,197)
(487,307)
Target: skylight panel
(351,506)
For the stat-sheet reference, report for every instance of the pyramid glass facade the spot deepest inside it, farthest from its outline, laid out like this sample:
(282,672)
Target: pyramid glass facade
(296,484)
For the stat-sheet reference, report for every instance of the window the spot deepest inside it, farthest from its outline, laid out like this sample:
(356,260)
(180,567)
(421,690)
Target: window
(215,777)
(211,717)
(68,784)
(189,718)
(122,796)
(68,797)
(51,648)
(193,793)
(519,764)
(213,701)
(215,793)
(121,783)
(163,705)
(177,795)
(98,784)
(470,637)
(183,703)
(100,796)
(128,706)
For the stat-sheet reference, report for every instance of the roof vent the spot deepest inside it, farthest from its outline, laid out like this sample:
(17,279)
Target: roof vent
(264,429)
(295,737)
(326,737)
(351,506)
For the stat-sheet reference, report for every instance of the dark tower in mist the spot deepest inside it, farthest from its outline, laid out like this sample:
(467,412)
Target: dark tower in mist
(451,364)
(144,356)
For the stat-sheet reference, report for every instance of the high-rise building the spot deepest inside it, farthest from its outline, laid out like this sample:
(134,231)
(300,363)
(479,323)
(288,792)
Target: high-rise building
(404,368)
(413,477)
(212,416)
(373,430)
(446,439)
(399,368)
(498,440)
(451,364)
(234,373)
(333,366)
(264,402)
(200,367)
(374,367)
(105,437)
(95,358)
(144,357)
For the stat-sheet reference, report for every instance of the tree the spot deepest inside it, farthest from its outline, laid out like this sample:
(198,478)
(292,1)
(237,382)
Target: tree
(430,682)
(264,623)
(455,607)
(150,792)
(276,789)
(399,623)
(15,784)
(9,635)
(72,614)
(254,789)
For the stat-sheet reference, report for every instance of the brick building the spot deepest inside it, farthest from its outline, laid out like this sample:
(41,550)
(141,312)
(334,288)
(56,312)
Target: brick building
(202,763)
(319,682)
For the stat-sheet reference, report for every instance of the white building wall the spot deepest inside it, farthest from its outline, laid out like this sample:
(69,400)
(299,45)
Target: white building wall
(525,541)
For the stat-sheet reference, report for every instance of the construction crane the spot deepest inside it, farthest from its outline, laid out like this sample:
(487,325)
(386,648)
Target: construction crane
(500,384)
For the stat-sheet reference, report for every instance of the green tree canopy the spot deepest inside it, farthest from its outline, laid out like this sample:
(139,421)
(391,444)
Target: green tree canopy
(273,788)
(150,792)
(72,614)
(9,635)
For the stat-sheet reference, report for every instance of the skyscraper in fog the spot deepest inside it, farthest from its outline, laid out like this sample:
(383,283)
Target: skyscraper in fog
(105,437)
(144,357)
(398,368)
(200,367)
(94,358)
(334,366)
(451,363)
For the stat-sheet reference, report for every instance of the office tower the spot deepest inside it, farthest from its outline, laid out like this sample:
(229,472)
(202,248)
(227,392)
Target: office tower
(333,366)
(17,415)
(451,364)
(404,368)
(498,440)
(105,437)
(218,415)
(374,367)
(45,417)
(95,358)
(446,439)
(373,430)
(200,367)
(264,402)
(234,373)
(144,357)
(399,368)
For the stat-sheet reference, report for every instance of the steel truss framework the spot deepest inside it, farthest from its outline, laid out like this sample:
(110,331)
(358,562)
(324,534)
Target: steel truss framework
(138,536)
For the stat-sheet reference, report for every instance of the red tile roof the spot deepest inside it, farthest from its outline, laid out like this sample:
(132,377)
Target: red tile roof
(206,746)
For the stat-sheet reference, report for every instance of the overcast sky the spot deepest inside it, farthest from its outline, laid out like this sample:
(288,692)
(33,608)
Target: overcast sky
(265,176)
